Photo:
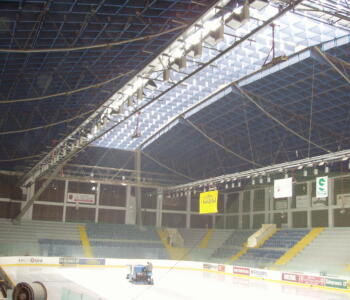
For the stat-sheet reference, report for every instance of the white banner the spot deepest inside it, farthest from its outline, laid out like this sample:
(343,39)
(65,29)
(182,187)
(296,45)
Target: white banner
(81,198)
(283,188)
(322,187)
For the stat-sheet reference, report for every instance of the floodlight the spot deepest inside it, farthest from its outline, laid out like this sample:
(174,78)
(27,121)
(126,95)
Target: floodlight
(215,36)
(180,63)
(196,50)
(259,4)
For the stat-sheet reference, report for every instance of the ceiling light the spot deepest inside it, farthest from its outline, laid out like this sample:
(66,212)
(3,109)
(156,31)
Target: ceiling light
(315,171)
(196,50)
(139,94)
(326,169)
(215,36)
(305,173)
(129,101)
(259,4)
(166,75)
(151,85)
(237,20)
(180,63)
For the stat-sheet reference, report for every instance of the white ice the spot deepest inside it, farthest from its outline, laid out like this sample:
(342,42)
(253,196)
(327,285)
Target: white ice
(111,283)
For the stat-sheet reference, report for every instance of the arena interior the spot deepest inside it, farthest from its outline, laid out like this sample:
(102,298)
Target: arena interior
(207,138)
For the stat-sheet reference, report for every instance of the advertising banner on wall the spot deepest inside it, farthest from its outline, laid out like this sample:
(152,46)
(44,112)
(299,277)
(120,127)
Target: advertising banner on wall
(312,280)
(336,283)
(322,187)
(241,270)
(208,202)
(81,198)
(283,188)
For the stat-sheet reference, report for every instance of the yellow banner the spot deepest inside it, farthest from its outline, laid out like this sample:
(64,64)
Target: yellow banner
(208,202)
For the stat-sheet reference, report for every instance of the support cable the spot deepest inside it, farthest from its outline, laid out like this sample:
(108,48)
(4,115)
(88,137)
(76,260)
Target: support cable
(325,57)
(66,93)
(104,45)
(47,125)
(220,145)
(166,167)
(278,121)
(20,158)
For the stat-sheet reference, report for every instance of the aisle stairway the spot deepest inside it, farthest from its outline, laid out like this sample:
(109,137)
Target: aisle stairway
(272,249)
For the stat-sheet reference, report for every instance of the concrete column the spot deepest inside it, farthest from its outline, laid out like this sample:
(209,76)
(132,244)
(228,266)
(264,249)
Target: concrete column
(272,202)
(97,201)
(240,210)
(65,201)
(130,213)
(251,209)
(159,207)
(309,206)
(188,210)
(267,205)
(330,202)
(289,212)
(225,212)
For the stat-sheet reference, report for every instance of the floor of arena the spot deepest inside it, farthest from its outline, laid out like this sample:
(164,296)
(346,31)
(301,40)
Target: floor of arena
(110,283)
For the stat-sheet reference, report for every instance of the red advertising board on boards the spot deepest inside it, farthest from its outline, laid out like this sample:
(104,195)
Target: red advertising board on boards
(221,268)
(290,277)
(313,280)
(241,270)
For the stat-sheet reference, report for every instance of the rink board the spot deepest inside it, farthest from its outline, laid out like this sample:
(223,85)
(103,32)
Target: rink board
(73,273)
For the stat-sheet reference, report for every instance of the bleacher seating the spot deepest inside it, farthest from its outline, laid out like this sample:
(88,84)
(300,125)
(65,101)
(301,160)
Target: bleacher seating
(272,249)
(285,238)
(24,239)
(231,246)
(121,232)
(193,237)
(328,253)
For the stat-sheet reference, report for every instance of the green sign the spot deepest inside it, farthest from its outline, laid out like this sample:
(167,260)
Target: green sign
(336,283)
(322,187)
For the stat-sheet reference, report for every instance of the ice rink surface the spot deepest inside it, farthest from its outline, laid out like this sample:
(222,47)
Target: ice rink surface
(111,283)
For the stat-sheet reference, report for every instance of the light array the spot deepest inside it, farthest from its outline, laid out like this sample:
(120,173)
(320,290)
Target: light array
(215,32)
(294,33)
(264,174)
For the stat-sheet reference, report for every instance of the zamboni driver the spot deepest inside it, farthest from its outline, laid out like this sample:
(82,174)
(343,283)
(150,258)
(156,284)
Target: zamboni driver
(149,267)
